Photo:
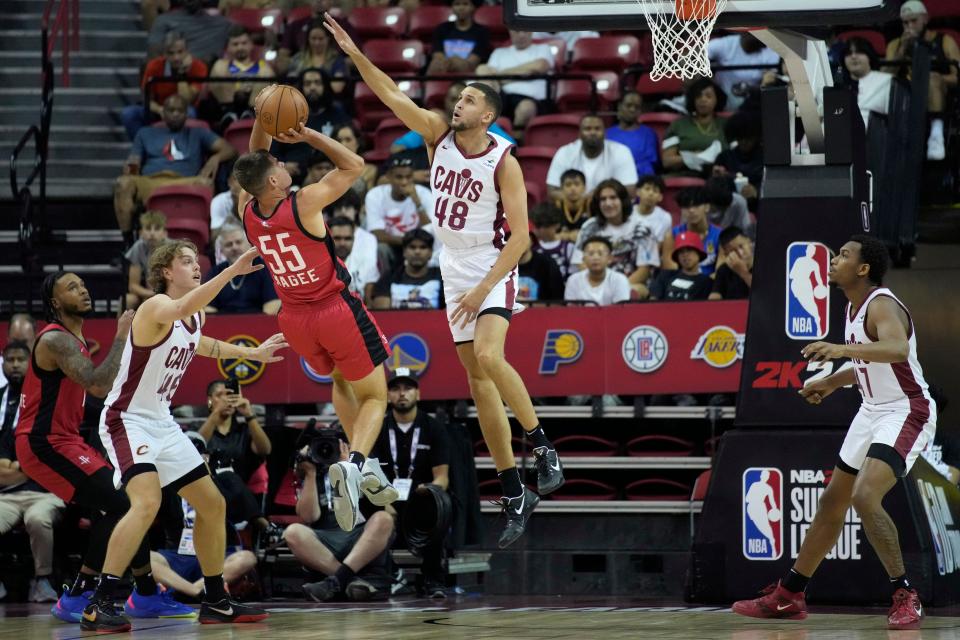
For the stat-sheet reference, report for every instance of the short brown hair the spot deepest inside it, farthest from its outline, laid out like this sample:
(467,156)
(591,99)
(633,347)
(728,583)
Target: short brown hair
(251,170)
(153,218)
(161,258)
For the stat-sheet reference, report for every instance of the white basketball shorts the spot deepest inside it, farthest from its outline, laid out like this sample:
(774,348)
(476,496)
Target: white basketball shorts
(906,431)
(462,270)
(131,441)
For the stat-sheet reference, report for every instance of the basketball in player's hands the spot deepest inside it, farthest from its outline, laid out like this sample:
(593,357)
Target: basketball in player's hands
(280,109)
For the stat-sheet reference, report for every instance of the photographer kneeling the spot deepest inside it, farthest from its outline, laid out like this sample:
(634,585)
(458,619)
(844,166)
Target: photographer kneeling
(356,562)
(414,453)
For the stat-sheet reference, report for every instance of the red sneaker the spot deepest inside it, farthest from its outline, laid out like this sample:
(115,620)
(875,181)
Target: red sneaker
(906,612)
(774,602)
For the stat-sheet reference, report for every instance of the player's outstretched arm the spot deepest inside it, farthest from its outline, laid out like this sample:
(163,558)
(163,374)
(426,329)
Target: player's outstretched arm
(213,348)
(890,324)
(64,350)
(425,122)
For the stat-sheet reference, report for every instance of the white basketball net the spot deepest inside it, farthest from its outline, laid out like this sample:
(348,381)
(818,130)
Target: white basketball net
(680,45)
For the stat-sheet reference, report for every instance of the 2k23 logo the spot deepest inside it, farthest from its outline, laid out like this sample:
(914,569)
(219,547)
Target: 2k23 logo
(787,375)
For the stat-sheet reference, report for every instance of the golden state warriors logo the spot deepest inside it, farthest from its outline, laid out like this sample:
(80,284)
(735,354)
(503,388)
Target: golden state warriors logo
(313,375)
(719,347)
(560,346)
(410,351)
(245,371)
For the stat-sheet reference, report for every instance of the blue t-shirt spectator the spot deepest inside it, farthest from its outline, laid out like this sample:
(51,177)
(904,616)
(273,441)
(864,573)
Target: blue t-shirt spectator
(643,144)
(181,152)
(711,244)
(413,140)
(243,294)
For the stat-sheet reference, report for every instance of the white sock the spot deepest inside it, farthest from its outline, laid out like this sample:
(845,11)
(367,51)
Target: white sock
(936,128)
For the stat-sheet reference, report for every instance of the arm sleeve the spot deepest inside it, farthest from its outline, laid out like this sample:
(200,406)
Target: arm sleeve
(410,140)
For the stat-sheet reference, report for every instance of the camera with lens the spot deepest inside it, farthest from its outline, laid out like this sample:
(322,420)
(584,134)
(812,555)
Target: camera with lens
(320,445)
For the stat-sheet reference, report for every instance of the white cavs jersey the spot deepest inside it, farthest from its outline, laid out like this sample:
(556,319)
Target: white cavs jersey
(467,211)
(149,376)
(883,383)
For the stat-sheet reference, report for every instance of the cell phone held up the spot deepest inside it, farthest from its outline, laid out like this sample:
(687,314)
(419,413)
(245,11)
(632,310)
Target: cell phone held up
(232,385)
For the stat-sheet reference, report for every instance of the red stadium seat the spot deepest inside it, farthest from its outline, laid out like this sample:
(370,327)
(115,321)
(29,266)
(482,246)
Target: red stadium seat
(606,53)
(658,122)
(196,231)
(701,485)
(378,22)
(238,134)
(659,445)
(586,446)
(491,16)
(435,92)
(665,86)
(558,46)
(504,123)
(875,38)
(535,162)
(658,489)
(191,122)
(942,9)
(258,20)
(387,131)
(182,201)
(287,492)
(370,110)
(574,95)
(204,263)
(536,193)
(299,13)
(670,195)
(425,21)
(584,489)
(399,56)
(552,130)
(259,479)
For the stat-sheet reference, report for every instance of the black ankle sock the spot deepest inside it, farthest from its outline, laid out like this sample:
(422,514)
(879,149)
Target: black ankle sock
(795,582)
(106,588)
(84,582)
(213,590)
(356,458)
(145,584)
(344,575)
(510,481)
(539,438)
(900,583)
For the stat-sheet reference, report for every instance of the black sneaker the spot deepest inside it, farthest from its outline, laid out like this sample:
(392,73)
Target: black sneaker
(517,510)
(229,611)
(549,470)
(359,590)
(324,591)
(102,617)
(434,590)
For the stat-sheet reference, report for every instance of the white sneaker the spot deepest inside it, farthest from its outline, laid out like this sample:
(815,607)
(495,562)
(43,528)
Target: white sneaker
(345,487)
(375,485)
(41,591)
(936,149)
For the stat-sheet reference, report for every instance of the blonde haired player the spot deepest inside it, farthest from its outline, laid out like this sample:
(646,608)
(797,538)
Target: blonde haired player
(477,186)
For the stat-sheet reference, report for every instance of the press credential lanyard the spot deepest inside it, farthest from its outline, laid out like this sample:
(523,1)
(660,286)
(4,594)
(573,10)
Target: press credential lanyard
(415,440)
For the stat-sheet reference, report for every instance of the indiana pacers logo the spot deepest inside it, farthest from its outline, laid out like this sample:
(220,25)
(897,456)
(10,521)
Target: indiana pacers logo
(244,370)
(560,346)
(719,347)
(408,350)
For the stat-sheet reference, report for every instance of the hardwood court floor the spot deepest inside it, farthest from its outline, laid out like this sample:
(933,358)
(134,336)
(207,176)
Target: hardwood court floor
(496,618)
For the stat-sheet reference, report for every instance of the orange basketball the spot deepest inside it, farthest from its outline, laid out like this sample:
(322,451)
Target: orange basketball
(695,9)
(283,108)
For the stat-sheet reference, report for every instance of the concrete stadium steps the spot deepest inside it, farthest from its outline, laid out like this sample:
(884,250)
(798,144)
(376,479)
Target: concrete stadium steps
(89,19)
(90,39)
(23,116)
(24,76)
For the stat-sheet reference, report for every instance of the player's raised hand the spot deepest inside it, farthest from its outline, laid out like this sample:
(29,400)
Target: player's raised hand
(264,353)
(244,263)
(823,351)
(468,306)
(343,39)
(124,322)
(292,136)
(815,392)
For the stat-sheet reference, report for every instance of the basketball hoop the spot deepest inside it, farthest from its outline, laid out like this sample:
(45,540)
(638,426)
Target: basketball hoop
(680,34)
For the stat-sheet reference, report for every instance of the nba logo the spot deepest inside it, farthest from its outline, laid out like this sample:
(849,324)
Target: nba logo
(762,513)
(808,296)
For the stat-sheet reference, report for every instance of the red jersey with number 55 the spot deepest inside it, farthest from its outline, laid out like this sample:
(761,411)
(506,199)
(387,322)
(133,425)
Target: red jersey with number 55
(305,269)
(467,210)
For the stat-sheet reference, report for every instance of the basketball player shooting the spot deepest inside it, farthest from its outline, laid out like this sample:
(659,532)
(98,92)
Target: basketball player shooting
(897,419)
(323,321)
(148,449)
(477,183)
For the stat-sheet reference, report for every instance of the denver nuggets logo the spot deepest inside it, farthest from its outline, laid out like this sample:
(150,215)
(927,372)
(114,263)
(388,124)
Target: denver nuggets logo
(245,371)
(313,375)
(719,347)
(408,350)
(560,346)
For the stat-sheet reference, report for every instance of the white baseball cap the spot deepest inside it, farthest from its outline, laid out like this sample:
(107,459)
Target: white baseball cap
(912,8)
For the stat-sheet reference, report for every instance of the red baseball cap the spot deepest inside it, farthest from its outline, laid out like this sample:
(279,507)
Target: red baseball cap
(688,240)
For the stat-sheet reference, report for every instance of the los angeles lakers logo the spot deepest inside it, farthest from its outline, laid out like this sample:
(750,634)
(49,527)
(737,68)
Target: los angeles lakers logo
(244,370)
(719,347)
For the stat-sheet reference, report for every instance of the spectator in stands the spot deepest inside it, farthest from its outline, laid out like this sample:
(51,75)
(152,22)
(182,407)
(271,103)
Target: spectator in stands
(318,166)
(324,116)
(597,282)
(22,327)
(233,101)
(547,221)
(251,293)
(650,190)
(727,207)
(361,261)
(694,205)
(321,52)
(460,45)
(735,276)
(355,562)
(873,87)
(223,207)
(153,231)
(597,158)
(414,452)
(522,99)
(415,285)
(24,501)
(744,157)
(944,54)
(163,156)
(633,241)
(150,9)
(413,140)
(640,139)
(741,50)
(206,34)
(538,276)
(698,138)
(295,35)
(16,359)
(349,136)
(688,282)
(573,202)
(175,61)
(396,208)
